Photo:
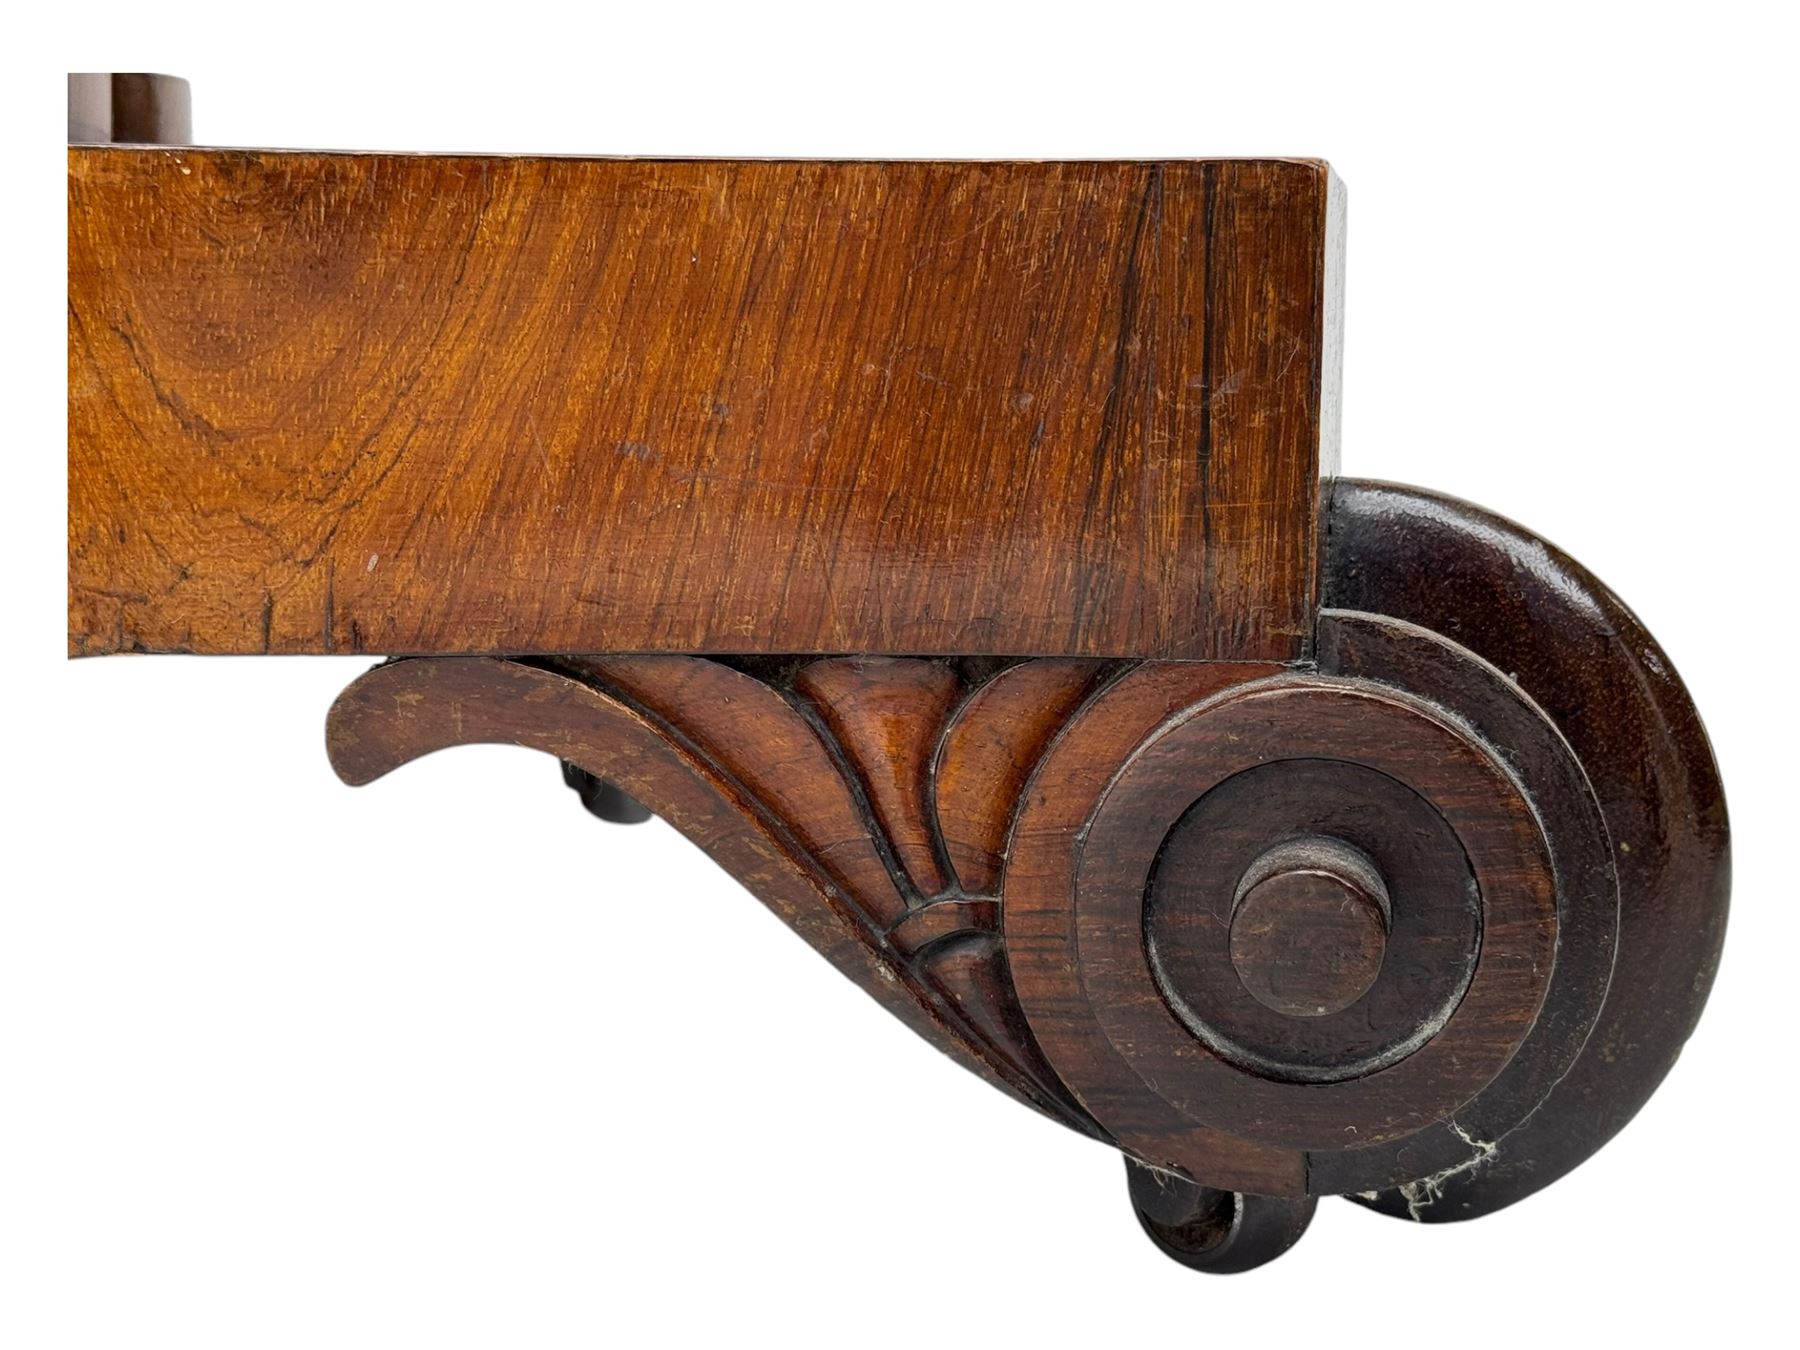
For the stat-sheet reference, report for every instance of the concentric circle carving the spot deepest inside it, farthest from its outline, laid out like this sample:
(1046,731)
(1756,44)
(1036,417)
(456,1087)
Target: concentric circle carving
(1309,925)
(1405,855)
(1311,930)
(1451,1012)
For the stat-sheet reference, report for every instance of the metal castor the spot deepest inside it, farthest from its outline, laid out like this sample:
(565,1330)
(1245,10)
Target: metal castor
(603,799)
(1219,1232)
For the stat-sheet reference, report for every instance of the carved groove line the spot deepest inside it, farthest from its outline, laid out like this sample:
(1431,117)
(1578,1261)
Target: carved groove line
(947,941)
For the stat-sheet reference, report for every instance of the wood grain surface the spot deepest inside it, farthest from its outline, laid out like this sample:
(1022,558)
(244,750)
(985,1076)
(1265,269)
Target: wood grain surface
(433,404)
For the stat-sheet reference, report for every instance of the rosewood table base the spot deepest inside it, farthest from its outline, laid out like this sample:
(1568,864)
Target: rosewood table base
(957,554)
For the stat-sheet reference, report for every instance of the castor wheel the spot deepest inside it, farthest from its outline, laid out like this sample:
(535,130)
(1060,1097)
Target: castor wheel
(1219,1232)
(602,799)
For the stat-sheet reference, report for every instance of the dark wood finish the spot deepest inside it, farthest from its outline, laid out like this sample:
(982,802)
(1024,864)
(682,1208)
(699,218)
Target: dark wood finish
(752,771)
(603,800)
(988,752)
(1588,665)
(1061,796)
(1240,827)
(439,404)
(129,109)
(885,716)
(1309,927)
(1314,1083)
(1219,1232)
(753,733)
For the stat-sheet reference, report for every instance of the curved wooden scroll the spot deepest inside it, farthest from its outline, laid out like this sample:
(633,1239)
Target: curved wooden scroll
(1422,921)
(797,813)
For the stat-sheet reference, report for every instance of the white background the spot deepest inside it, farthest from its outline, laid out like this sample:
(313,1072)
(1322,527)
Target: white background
(445,1062)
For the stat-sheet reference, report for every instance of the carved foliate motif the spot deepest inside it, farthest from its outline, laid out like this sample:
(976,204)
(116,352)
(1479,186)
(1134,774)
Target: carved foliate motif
(885,786)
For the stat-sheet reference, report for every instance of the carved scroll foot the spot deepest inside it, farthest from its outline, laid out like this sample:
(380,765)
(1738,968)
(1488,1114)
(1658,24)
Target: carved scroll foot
(1422,921)
(602,799)
(1423,924)
(1219,1232)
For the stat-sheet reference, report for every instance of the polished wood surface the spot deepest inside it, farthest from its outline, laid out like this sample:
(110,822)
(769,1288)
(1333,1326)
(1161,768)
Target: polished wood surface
(1643,820)
(953,552)
(410,404)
